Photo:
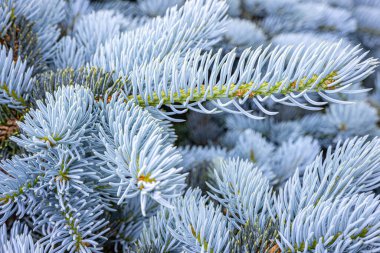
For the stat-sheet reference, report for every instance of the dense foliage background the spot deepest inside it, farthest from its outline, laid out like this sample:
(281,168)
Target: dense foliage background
(189,126)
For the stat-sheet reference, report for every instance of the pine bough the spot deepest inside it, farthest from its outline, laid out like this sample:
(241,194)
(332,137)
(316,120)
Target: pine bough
(97,167)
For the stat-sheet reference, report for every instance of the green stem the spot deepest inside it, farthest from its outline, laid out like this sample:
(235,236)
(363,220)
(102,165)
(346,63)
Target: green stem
(242,91)
(13,94)
(301,248)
